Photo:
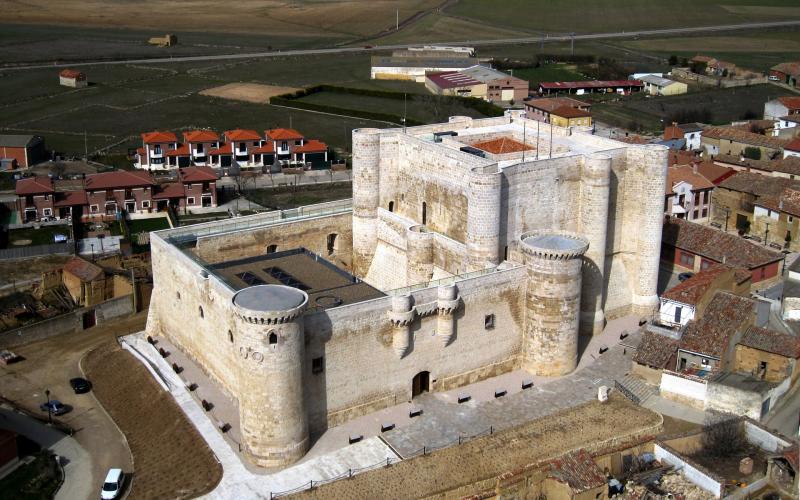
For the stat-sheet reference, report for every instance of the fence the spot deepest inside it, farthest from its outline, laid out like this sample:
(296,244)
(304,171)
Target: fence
(626,392)
(36,250)
(424,451)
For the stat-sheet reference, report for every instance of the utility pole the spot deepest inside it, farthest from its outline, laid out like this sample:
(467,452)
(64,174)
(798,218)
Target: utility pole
(572,43)
(537,139)
(524,139)
(766,234)
(85,147)
(397,20)
(551,140)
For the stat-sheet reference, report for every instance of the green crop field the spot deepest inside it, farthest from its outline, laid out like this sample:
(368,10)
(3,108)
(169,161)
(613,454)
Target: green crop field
(596,16)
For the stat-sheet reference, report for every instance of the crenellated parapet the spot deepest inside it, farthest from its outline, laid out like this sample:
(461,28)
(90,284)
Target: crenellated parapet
(404,312)
(553,245)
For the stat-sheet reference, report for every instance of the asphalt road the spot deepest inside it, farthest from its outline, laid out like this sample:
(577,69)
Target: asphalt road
(372,48)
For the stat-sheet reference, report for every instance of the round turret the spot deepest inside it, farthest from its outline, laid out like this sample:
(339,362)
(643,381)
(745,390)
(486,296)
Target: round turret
(552,301)
(366,196)
(270,342)
(419,243)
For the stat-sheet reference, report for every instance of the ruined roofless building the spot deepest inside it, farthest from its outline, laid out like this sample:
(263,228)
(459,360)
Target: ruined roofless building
(469,249)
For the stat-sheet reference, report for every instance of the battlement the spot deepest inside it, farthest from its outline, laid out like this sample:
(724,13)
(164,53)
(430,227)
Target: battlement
(554,245)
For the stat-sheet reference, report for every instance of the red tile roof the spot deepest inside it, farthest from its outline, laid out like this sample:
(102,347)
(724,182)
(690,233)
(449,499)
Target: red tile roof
(242,135)
(71,199)
(502,145)
(71,73)
(685,173)
(788,202)
(735,134)
(197,174)
(716,245)
(311,146)
(772,342)
(268,147)
(140,151)
(118,179)
(794,145)
(591,84)
(159,137)
(194,136)
(758,185)
(83,269)
(692,290)
(673,132)
(169,190)
(715,173)
(793,103)
(655,350)
(34,185)
(452,79)
(550,103)
(223,149)
(570,112)
(578,470)
(725,316)
(183,150)
(283,134)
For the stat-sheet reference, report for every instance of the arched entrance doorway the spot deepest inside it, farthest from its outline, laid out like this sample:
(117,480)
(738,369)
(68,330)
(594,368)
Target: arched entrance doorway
(421,383)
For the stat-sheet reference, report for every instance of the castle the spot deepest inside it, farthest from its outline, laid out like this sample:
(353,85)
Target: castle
(469,249)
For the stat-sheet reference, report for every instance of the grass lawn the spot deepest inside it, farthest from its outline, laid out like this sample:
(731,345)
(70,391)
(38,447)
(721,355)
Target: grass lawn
(37,480)
(281,199)
(147,225)
(29,236)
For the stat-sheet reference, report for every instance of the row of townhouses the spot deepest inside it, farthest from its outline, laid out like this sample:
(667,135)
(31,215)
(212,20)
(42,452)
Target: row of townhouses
(240,147)
(111,194)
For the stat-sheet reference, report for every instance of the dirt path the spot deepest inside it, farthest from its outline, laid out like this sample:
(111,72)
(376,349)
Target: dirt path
(171,459)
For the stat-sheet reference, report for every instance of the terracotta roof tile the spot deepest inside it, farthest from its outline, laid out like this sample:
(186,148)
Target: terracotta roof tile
(71,199)
(34,185)
(793,103)
(578,470)
(758,185)
(194,136)
(159,137)
(692,290)
(739,135)
(71,73)
(242,135)
(684,173)
(716,245)
(311,146)
(655,350)
(772,342)
(550,103)
(726,315)
(502,145)
(570,112)
(223,149)
(118,179)
(183,150)
(794,145)
(197,174)
(267,148)
(283,134)
(673,132)
(83,269)
(713,172)
(169,190)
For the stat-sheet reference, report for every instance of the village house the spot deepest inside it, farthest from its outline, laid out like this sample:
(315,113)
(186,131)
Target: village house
(455,83)
(35,198)
(786,126)
(21,151)
(689,132)
(153,153)
(768,355)
(776,109)
(788,73)
(72,78)
(590,86)
(792,149)
(656,85)
(695,247)
(688,193)
(110,193)
(688,299)
(788,167)
(478,81)
(735,141)
(540,109)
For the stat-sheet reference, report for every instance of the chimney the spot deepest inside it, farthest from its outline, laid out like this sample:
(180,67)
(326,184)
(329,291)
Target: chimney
(694,166)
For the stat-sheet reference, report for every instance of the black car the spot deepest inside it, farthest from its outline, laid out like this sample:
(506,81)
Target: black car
(684,276)
(56,407)
(80,385)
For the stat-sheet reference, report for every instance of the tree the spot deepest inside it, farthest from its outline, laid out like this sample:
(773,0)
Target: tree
(673,60)
(752,153)
(723,438)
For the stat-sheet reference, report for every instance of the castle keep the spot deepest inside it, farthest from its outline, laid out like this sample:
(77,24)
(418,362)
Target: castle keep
(469,249)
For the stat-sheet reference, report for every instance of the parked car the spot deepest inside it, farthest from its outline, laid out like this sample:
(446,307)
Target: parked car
(56,407)
(112,486)
(684,276)
(774,78)
(80,385)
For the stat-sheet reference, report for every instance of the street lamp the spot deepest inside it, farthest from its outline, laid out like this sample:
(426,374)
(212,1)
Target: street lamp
(49,408)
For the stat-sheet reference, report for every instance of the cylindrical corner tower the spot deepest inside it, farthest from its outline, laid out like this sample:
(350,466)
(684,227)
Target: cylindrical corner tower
(649,163)
(483,217)
(595,182)
(552,302)
(419,254)
(401,317)
(269,337)
(446,305)
(366,196)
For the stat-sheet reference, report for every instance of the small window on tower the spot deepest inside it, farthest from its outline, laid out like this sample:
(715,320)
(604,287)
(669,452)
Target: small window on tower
(230,336)
(488,321)
(273,338)
(317,365)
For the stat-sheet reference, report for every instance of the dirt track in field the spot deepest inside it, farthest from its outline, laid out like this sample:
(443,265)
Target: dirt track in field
(248,92)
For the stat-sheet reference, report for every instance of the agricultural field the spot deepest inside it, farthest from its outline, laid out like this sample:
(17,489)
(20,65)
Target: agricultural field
(721,105)
(597,16)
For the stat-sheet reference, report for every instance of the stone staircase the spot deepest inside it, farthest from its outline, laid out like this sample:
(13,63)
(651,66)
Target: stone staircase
(635,389)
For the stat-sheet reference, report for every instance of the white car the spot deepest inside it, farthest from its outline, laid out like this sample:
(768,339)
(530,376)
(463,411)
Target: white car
(112,486)
(773,78)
